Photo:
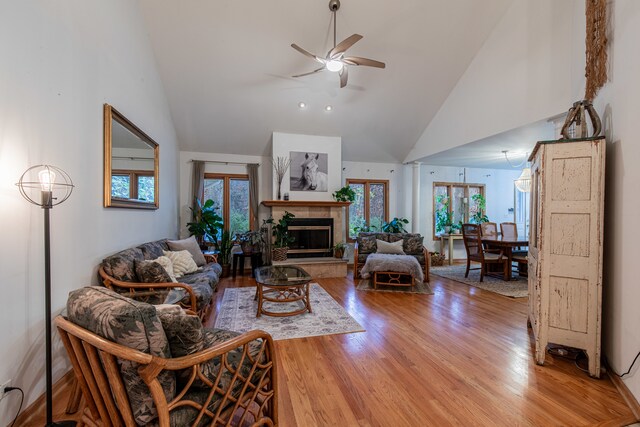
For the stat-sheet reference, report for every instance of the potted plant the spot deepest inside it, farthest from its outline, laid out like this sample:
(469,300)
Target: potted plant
(396,225)
(345,194)
(456,228)
(206,223)
(249,241)
(280,167)
(280,231)
(225,245)
(363,228)
(444,218)
(478,209)
(338,250)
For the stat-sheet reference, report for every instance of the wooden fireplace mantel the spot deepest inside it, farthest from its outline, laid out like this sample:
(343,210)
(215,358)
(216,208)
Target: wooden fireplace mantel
(304,203)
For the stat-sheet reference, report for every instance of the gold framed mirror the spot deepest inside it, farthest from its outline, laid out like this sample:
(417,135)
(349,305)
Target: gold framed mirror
(131,160)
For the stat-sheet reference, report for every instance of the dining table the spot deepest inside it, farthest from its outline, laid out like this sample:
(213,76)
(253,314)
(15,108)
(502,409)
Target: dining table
(506,244)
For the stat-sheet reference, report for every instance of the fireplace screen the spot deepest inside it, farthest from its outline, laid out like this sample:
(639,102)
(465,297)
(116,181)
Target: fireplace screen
(313,237)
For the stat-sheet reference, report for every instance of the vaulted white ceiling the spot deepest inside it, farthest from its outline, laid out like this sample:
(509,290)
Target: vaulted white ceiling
(226,68)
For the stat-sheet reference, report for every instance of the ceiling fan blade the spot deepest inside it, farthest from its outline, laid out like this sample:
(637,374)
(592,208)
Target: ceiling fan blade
(355,60)
(310,72)
(344,75)
(304,52)
(343,46)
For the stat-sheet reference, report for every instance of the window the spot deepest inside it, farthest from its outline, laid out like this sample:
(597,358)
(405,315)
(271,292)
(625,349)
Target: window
(230,193)
(454,203)
(129,184)
(521,212)
(370,209)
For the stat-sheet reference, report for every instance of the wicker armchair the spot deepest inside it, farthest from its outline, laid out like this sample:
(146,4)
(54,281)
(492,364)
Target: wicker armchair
(366,244)
(232,382)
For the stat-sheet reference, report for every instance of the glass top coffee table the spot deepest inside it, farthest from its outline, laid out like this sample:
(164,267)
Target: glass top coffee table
(282,284)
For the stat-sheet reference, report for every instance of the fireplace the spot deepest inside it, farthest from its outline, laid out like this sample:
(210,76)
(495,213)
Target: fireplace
(313,237)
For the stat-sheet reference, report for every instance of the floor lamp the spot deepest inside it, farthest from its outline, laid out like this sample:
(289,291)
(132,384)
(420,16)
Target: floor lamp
(54,187)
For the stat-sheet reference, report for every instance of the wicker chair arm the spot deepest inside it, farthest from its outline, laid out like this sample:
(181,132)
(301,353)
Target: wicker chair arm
(110,282)
(103,344)
(425,251)
(211,258)
(178,363)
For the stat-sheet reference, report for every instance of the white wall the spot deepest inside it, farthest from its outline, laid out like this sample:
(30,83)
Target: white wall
(284,143)
(186,168)
(525,72)
(499,195)
(60,62)
(618,104)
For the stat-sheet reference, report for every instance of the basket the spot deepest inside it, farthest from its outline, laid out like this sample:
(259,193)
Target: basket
(437,259)
(279,254)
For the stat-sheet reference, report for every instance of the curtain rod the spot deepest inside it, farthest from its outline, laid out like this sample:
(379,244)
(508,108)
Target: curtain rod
(224,163)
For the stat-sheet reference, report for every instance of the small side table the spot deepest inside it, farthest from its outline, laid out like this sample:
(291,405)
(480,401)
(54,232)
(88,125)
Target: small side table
(450,238)
(238,258)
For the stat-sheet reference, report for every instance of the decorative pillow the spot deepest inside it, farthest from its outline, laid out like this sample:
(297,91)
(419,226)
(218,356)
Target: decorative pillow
(184,332)
(390,248)
(133,324)
(166,263)
(188,244)
(183,262)
(366,244)
(413,244)
(151,272)
(120,266)
(394,237)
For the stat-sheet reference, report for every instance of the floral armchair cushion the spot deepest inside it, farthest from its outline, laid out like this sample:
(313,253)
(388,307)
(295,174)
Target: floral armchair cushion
(130,323)
(153,250)
(412,242)
(121,266)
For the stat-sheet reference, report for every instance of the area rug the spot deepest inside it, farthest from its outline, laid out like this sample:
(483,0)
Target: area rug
(238,313)
(418,288)
(516,288)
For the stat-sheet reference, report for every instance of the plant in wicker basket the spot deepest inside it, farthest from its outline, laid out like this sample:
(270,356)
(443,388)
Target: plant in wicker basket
(437,259)
(280,231)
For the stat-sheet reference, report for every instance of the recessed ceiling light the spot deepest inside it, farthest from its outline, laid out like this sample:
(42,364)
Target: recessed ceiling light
(302,104)
(328,108)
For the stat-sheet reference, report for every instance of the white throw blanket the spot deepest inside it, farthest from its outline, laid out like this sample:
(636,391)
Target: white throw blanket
(396,263)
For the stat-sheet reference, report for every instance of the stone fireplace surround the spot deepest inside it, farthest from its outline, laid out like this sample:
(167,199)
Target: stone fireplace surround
(312,209)
(317,267)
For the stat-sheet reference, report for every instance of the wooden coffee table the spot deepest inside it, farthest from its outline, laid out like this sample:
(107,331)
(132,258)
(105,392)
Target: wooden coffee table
(282,284)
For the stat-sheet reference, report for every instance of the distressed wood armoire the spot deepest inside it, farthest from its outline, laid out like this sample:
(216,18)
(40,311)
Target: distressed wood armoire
(565,246)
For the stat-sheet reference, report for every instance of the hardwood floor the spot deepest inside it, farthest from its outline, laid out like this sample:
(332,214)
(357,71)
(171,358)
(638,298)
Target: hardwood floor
(462,356)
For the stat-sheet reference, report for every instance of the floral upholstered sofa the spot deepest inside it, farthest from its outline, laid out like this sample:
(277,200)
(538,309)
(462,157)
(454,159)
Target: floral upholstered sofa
(156,365)
(412,245)
(193,291)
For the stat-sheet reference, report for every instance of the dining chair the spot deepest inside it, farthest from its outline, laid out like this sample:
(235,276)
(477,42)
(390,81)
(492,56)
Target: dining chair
(509,230)
(489,229)
(476,252)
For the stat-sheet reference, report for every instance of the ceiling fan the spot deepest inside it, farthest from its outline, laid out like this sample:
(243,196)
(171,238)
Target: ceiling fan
(336,61)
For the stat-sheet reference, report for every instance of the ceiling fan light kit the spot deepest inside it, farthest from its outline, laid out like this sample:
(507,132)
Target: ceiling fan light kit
(335,60)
